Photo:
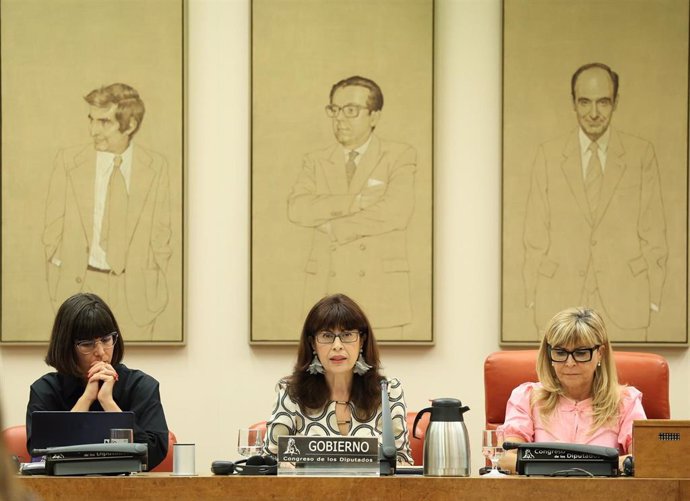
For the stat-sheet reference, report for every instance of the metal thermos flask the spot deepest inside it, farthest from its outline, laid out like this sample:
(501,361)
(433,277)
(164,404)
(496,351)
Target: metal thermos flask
(446,445)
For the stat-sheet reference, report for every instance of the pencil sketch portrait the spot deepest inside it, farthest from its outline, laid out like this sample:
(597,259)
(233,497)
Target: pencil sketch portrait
(595,232)
(358,196)
(342,164)
(92,164)
(595,167)
(107,226)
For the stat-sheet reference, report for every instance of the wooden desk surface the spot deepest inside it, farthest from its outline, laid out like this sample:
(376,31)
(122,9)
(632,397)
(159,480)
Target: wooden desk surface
(163,487)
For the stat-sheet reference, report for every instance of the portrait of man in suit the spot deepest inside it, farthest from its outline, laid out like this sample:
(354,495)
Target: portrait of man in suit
(594,228)
(107,217)
(358,196)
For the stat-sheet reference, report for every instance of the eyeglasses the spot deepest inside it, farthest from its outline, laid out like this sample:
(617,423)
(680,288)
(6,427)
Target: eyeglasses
(328,337)
(87,346)
(579,355)
(349,110)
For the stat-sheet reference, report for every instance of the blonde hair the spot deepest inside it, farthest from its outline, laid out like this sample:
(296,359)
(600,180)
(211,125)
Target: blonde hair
(578,327)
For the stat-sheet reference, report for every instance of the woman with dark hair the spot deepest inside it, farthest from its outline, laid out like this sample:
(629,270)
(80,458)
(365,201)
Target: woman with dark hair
(86,348)
(335,386)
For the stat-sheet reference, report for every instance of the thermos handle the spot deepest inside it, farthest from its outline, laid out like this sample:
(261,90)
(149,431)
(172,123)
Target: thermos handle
(416,420)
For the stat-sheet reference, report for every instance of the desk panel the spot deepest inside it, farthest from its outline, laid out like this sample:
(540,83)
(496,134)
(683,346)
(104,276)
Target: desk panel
(163,487)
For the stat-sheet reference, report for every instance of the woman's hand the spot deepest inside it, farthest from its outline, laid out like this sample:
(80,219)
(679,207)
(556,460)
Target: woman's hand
(509,460)
(88,397)
(104,376)
(99,385)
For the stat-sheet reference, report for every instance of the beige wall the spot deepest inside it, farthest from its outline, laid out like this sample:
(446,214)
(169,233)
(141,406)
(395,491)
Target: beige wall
(218,383)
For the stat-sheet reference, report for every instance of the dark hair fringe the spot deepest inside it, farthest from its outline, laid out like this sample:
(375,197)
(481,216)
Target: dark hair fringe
(310,391)
(83,316)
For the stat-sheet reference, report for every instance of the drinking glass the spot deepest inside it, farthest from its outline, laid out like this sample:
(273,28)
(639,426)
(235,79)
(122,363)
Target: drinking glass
(250,441)
(121,435)
(492,448)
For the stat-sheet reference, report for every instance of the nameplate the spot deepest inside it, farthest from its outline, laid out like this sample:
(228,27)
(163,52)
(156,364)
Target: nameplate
(328,456)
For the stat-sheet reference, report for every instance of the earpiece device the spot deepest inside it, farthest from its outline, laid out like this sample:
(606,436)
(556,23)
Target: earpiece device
(629,466)
(255,465)
(222,467)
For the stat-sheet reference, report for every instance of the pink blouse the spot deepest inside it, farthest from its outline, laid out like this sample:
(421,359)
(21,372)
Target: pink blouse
(571,422)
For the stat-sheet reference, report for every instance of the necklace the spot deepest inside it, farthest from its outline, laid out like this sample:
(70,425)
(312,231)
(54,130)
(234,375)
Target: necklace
(347,403)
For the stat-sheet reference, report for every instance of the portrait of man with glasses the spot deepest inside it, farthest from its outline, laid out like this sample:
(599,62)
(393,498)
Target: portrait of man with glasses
(358,195)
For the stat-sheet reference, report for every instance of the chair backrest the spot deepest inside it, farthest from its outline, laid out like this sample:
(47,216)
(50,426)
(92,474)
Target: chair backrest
(261,425)
(505,370)
(416,444)
(15,442)
(167,463)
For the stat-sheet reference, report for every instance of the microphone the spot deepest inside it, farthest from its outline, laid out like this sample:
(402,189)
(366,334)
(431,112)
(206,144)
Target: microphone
(508,446)
(387,450)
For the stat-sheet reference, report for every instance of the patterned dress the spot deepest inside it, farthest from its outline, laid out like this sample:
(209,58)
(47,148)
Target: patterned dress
(288,419)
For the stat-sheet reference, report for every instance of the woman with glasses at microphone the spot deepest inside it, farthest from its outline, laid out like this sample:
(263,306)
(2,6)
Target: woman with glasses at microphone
(578,398)
(335,386)
(86,348)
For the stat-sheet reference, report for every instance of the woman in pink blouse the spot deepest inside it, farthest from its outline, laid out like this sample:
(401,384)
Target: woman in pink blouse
(578,398)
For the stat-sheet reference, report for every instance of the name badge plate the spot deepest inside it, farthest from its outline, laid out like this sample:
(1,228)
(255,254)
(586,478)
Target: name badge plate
(328,456)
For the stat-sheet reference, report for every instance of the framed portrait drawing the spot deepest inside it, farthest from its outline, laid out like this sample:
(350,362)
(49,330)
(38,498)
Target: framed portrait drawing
(342,135)
(595,167)
(92,164)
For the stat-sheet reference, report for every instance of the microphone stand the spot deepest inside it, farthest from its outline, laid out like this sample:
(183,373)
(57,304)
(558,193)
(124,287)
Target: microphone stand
(387,450)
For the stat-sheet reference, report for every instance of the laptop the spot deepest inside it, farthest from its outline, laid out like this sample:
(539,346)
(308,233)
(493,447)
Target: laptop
(58,428)
(660,448)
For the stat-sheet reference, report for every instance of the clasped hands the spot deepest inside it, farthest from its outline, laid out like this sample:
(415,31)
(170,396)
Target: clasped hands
(101,379)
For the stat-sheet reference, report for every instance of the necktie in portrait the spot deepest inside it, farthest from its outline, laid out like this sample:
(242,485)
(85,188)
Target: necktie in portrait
(593,179)
(114,231)
(350,166)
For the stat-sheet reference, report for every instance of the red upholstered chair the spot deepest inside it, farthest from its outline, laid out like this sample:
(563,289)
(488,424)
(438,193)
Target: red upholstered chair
(15,442)
(167,463)
(416,444)
(505,370)
(261,425)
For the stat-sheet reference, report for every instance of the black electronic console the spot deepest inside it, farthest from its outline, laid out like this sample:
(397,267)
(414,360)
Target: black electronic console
(557,459)
(94,459)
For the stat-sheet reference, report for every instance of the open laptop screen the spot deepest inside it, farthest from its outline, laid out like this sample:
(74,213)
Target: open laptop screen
(58,428)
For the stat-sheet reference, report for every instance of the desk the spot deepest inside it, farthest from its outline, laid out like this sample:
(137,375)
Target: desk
(163,487)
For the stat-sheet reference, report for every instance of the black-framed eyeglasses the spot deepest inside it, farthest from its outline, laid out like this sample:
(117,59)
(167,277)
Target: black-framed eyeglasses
(561,355)
(328,337)
(87,346)
(349,110)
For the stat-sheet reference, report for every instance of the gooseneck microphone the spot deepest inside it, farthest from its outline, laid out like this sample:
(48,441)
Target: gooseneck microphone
(387,450)
(509,446)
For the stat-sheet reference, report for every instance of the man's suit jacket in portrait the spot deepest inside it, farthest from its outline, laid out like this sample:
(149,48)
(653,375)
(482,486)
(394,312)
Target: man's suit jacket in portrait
(626,242)
(69,229)
(363,250)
